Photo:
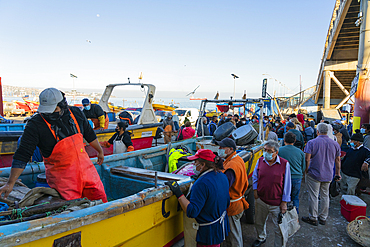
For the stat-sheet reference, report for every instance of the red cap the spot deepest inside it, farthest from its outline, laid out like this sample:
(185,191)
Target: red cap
(205,154)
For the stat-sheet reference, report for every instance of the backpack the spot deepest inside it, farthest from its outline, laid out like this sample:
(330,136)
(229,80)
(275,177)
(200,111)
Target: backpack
(124,116)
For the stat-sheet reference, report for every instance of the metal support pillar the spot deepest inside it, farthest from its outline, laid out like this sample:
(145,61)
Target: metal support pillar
(327,82)
(362,96)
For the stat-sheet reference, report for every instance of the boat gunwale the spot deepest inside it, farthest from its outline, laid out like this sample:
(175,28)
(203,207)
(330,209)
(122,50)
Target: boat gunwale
(52,225)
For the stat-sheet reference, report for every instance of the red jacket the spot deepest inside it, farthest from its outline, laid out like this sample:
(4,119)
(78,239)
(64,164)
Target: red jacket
(188,132)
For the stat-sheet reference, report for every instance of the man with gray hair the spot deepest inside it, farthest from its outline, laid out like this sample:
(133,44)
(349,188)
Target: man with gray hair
(321,154)
(272,187)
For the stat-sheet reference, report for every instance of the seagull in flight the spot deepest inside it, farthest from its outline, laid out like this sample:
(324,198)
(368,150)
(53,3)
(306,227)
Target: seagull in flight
(88,41)
(191,93)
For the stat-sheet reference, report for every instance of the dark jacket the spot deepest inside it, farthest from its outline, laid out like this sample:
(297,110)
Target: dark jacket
(299,140)
(203,131)
(125,137)
(94,112)
(352,162)
(37,133)
(345,134)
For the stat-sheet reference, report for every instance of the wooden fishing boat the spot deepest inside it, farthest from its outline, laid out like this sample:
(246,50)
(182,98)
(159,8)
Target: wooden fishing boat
(142,133)
(33,105)
(138,213)
(161,107)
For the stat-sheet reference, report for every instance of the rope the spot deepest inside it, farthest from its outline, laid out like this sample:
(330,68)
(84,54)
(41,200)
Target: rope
(18,212)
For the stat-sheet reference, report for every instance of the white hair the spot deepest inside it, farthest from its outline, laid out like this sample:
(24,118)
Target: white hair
(322,128)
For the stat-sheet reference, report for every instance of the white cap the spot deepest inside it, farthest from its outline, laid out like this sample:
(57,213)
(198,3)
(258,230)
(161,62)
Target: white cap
(49,98)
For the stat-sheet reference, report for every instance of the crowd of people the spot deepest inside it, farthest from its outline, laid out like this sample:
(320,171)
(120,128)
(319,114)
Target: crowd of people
(295,148)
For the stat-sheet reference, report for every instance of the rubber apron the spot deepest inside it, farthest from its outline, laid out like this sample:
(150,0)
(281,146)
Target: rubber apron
(69,169)
(238,199)
(191,226)
(118,146)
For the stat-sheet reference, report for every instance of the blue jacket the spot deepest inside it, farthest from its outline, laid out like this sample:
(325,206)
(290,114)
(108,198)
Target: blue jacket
(209,199)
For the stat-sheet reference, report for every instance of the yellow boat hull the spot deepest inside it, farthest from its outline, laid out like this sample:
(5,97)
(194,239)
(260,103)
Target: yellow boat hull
(144,226)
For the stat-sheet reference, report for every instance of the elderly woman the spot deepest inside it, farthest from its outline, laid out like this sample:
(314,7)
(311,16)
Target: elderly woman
(208,201)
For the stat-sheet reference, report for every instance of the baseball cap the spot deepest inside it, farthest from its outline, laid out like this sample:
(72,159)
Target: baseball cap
(290,125)
(85,101)
(227,143)
(205,154)
(337,122)
(49,99)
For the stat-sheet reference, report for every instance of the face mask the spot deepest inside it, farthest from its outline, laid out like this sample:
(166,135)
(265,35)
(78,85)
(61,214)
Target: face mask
(351,121)
(333,133)
(267,156)
(243,122)
(87,108)
(117,130)
(270,118)
(362,131)
(276,124)
(195,170)
(54,116)
(221,153)
(352,144)
(265,121)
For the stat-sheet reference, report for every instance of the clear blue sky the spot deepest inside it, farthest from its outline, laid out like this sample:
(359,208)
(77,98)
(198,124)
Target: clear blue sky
(178,45)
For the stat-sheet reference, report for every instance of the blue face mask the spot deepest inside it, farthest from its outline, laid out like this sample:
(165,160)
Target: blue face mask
(221,153)
(267,156)
(352,144)
(87,108)
(362,131)
(195,170)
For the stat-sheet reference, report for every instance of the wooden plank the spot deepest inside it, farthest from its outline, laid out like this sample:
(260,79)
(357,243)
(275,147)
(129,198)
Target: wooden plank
(146,173)
(148,156)
(338,83)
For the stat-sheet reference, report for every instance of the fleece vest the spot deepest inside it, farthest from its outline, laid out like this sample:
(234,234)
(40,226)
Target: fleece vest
(237,201)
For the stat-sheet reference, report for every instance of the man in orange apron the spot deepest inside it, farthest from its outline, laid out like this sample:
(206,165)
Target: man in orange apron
(96,114)
(238,185)
(58,130)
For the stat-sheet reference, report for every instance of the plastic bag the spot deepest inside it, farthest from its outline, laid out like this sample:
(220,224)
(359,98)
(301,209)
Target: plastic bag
(334,188)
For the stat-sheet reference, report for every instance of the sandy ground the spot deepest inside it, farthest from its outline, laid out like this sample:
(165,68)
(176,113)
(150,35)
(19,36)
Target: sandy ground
(332,234)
